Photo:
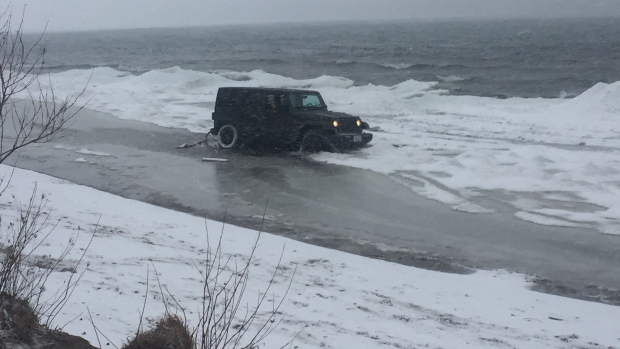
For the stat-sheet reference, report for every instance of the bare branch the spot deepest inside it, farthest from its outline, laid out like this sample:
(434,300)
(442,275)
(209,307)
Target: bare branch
(97,330)
(30,112)
(226,321)
(146,296)
(92,322)
(23,274)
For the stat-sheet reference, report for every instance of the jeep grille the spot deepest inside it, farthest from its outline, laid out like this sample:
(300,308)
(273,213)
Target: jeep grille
(348,126)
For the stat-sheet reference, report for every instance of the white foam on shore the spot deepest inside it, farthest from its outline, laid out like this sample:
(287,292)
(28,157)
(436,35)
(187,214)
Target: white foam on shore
(514,145)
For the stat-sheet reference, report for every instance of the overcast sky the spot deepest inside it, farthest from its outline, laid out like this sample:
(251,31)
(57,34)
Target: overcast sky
(74,15)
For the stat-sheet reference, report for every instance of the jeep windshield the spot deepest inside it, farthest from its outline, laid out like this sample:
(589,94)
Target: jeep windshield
(307,100)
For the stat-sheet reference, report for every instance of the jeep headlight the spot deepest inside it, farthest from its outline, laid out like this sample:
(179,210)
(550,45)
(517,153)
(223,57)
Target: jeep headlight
(358,122)
(335,123)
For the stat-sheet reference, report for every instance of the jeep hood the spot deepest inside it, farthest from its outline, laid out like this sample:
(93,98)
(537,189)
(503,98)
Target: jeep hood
(326,114)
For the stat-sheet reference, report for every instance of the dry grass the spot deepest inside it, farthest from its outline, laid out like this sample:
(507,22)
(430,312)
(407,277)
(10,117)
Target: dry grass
(170,332)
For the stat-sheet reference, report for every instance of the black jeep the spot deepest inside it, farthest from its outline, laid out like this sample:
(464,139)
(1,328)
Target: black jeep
(283,117)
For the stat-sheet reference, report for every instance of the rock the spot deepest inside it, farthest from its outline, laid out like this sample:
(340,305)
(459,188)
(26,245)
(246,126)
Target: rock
(20,328)
(51,339)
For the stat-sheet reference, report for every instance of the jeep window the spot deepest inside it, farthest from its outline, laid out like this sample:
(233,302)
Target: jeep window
(279,102)
(232,98)
(309,100)
(271,102)
(254,100)
(285,101)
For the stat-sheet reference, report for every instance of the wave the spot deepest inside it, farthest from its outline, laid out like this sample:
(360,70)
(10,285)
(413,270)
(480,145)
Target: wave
(66,67)
(397,66)
(460,83)
(236,76)
(567,95)
(408,66)
(451,78)
(425,69)
(130,69)
(177,97)
(180,98)
(391,66)
(344,61)
(178,80)
(213,79)
(263,60)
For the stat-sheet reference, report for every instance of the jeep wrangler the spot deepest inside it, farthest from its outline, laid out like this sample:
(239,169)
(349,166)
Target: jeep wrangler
(297,118)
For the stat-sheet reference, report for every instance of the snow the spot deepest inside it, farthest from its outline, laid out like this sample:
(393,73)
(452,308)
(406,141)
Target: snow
(90,152)
(336,299)
(540,219)
(83,151)
(461,150)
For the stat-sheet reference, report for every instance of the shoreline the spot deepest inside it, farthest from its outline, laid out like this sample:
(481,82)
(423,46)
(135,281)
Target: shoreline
(141,162)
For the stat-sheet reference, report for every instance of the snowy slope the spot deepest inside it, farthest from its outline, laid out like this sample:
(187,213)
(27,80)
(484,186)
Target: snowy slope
(336,299)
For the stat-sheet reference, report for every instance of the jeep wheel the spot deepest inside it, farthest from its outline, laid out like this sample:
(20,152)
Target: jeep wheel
(228,137)
(314,141)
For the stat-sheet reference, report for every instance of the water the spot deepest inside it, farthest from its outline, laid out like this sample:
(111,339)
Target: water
(524,58)
(545,152)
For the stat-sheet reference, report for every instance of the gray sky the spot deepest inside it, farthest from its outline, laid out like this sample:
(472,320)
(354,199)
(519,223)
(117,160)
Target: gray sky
(72,15)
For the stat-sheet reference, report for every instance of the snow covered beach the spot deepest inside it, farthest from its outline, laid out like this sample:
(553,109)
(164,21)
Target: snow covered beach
(550,161)
(336,299)
(480,166)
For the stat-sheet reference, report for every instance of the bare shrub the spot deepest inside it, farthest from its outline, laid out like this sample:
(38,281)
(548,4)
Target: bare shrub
(23,274)
(38,117)
(29,114)
(170,332)
(226,320)
(42,115)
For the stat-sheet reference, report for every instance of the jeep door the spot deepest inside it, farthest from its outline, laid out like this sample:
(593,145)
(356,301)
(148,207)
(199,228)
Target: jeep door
(278,117)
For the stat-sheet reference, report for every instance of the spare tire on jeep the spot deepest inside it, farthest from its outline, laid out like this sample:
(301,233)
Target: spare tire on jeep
(228,137)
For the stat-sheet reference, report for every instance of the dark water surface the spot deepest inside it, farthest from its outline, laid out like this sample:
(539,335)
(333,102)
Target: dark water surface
(527,58)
